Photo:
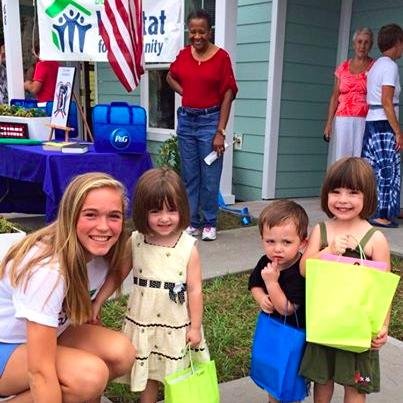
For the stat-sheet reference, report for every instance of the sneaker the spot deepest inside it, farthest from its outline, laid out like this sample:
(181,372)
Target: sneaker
(193,231)
(209,234)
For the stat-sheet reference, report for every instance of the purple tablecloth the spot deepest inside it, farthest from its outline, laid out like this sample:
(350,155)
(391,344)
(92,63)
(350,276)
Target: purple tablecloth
(24,168)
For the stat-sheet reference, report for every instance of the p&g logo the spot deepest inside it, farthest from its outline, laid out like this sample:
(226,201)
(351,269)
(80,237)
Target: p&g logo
(120,139)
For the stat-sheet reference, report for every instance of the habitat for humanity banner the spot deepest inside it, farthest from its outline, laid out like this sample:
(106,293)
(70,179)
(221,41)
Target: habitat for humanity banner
(69,30)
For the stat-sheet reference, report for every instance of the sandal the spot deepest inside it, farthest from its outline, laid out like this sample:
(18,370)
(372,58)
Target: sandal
(376,223)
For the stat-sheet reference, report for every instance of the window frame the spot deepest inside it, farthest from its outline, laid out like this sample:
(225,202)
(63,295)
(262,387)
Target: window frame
(160,134)
(155,133)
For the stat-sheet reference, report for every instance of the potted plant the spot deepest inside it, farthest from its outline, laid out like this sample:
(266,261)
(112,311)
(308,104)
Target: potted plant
(168,154)
(35,118)
(9,235)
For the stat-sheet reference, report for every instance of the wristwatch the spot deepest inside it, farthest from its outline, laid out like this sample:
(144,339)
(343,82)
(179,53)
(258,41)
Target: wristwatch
(222,132)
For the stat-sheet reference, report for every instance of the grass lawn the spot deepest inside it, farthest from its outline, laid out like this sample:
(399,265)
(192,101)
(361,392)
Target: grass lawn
(229,320)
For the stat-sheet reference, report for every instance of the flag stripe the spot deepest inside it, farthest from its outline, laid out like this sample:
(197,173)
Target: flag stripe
(121,29)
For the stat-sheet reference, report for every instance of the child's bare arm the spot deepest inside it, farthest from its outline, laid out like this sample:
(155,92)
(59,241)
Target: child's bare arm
(195,298)
(337,246)
(381,252)
(270,275)
(311,250)
(114,279)
(262,299)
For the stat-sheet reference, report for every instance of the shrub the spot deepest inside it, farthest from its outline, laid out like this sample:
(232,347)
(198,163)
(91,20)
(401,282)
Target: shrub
(168,154)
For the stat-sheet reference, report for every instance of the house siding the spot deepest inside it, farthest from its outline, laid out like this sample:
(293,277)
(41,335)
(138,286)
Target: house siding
(252,62)
(110,89)
(310,52)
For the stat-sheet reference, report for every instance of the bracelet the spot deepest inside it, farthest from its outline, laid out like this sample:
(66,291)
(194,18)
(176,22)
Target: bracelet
(221,131)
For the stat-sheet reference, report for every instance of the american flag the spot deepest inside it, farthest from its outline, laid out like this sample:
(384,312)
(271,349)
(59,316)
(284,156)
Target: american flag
(121,29)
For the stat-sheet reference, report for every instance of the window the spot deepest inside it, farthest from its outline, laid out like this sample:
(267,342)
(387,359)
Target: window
(158,97)
(208,5)
(161,101)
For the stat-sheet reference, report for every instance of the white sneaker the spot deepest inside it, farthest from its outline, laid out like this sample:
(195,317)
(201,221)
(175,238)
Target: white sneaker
(193,231)
(209,234)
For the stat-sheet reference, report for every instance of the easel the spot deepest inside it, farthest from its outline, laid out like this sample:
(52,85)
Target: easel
(87,131)
(61,104)
(66,129)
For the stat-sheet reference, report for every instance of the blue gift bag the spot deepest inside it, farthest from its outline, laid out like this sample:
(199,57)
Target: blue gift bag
(277,352)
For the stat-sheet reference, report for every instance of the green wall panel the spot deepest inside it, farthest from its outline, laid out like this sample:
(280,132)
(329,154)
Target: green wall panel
(249,33)
(248,71)
(248,161)
(252,89)
(292,163)
(309,61)
(305,92)
(254,107)
(301,110)
(244,193)
(300,33)
(253,52)
(304,128)
(251,143)
(250,2)
(310,14)
(247,177)
(290,193)
(252,57)
(110,89)
(254,13)
(308,73)
(300,180)
(309,54)
(248,125)
(306,146)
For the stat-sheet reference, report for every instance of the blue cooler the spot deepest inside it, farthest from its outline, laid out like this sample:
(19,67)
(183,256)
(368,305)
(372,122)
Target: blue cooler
(119,127)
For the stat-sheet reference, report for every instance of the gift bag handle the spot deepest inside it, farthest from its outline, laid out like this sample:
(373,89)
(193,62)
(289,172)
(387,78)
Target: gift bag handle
(189,350)
(295,314)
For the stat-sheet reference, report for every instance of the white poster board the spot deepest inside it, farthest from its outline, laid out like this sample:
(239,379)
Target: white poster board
(69,30)
(61,101)
(163,30)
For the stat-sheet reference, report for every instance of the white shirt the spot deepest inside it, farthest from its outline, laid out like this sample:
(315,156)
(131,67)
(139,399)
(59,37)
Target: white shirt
(40,300)
(383,72)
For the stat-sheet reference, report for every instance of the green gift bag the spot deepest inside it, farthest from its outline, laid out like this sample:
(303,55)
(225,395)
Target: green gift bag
(196,384)
(346,304)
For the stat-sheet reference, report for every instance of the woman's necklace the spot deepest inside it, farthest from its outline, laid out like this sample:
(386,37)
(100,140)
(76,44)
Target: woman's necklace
(202,57)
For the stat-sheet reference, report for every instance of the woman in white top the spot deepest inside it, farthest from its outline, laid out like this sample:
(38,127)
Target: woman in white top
(48,351)
(383,137)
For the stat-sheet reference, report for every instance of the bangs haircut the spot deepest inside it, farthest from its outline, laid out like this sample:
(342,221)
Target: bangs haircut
(281,211)
(158,187)
(351,173)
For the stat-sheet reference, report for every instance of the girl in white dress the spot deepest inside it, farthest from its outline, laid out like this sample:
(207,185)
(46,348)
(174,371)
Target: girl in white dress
(165,306)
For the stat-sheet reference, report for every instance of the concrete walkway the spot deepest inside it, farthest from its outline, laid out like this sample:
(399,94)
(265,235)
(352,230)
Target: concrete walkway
(238,250)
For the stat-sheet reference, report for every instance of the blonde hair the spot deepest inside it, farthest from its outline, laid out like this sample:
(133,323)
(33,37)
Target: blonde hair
(364,31)
(59,242)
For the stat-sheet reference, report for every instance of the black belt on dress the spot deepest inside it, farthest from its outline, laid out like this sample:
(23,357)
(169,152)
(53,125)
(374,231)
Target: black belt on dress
(176,290)
(199,111)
